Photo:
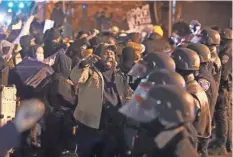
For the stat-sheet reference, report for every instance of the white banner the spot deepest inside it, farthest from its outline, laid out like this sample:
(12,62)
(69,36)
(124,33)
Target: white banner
(48,25)
(139,16)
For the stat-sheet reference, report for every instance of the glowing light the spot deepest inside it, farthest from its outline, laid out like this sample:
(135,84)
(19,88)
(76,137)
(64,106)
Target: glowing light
(1,17)
(84,6)
(8,22)
(9,10)
(10,4)
(21,5)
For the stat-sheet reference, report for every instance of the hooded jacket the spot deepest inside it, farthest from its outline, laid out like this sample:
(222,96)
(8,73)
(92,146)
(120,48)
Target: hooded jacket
(60,92)
(92,82)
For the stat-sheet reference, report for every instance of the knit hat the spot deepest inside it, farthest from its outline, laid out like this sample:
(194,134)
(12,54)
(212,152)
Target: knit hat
(157,29)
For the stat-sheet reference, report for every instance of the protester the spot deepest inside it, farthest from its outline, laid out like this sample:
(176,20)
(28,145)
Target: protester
(52,42)
(118,93)
(61,100)
(28,114)
(103,124)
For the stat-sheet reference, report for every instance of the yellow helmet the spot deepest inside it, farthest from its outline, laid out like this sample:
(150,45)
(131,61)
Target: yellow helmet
(115,29)
(157,29)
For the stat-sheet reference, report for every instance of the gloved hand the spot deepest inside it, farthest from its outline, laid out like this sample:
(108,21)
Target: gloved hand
(29,112)
(89,60)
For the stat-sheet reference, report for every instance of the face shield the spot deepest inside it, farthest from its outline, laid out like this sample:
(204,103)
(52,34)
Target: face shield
(139,69)
(140,107)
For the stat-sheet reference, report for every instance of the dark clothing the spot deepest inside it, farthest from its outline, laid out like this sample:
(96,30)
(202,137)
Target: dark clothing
(23,91)
(226,58)
(13,35)
(202,122)
(221,117)
(177,145)
(58,92)
(207,82)
(110,93)
(216,65)
(9,138)
(100,143)
(127,59)
(51,48)
(62,65)
(61,98)
(58,134)
(27,49)
(108,139)
(74,51)
(155,44)
(224,105)
(58,17)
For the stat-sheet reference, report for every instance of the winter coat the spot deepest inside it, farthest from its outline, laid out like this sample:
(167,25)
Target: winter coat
(90,95)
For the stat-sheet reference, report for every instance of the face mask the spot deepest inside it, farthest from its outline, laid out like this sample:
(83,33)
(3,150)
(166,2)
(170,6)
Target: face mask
(40,57)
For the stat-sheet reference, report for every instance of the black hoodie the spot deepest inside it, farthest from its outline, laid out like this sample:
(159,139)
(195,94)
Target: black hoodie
(60,92)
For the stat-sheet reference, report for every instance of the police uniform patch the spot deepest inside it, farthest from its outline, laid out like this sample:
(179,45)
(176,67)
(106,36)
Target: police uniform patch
(204,84)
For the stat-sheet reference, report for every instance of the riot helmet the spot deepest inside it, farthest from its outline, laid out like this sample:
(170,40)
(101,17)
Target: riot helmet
(227,34)
(159,77)
(166,77)
(202,50)
(209,37)
(186,59)
(172,106)
(151,62)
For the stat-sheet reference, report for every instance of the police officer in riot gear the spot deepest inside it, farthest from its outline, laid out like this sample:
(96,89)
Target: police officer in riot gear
(151,62)
(187,63)
(158,76)
(224,105)
(162,112)
(205,78)
(211,38)
(167,77)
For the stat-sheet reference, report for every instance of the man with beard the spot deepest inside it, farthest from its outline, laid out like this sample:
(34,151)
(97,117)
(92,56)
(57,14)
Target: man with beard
(102,90)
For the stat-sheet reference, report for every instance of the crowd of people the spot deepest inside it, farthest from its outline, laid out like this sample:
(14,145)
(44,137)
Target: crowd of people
(122,94)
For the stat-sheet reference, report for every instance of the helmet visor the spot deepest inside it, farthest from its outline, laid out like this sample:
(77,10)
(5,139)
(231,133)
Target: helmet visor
(140,108)
(139,70)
